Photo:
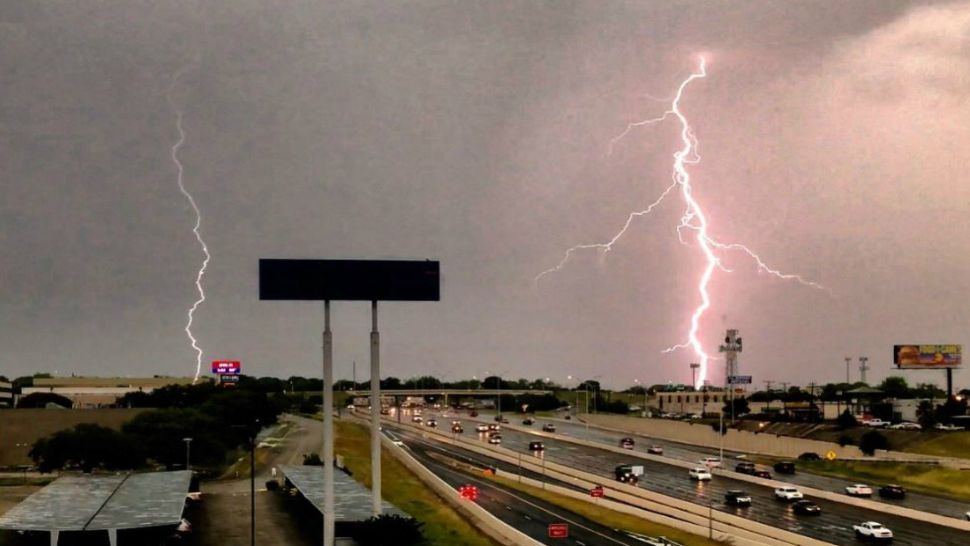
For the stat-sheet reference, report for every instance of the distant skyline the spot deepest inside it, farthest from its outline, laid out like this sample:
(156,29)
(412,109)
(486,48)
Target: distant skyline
(833,140)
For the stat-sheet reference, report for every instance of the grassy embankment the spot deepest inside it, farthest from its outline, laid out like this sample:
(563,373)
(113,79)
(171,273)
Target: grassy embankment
(607,517)
(924,478)
(951,444)
(442,525)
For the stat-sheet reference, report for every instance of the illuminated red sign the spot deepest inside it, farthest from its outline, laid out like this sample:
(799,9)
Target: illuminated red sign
(226,367)
(558,530)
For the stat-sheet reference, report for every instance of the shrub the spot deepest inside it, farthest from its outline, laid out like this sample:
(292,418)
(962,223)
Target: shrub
(847,420)
(390,530)
(871,441)
(312,459)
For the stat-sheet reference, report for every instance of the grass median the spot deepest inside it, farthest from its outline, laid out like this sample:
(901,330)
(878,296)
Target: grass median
(923,478)
(443,526)
(607,517)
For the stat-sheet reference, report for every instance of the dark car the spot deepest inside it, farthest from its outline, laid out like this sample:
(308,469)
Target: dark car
(536,446)
(528,421)
(745,468)
(624,473)
(504,420)
(785,467)
(548,427)
(892,491)
(655,450)
(457,429)
(806,508)
(735,497)
(473,414)
(809,456)
(762,474)
(568,417)
(498,418)
(627,443)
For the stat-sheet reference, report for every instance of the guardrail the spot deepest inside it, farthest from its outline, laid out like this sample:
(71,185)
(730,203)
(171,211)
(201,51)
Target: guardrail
(684,515)
(481,518)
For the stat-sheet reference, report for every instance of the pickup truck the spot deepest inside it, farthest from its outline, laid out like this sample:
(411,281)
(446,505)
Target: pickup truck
(872,531)
(788,494)
(876,423)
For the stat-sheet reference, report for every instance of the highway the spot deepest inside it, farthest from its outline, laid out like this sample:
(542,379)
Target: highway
(834,525)
(693,454)
(526,513)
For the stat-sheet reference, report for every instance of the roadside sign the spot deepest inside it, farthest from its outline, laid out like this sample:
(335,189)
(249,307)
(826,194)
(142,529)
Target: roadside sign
(226,367)
(739,379)
(596,492)
(831,455)
(228,379)
(558,530)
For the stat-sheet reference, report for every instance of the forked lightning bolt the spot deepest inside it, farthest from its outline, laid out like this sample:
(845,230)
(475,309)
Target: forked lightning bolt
(195,229)
(693,219)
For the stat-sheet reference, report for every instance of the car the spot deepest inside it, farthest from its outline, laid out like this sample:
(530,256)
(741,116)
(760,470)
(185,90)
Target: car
(385,411)
(946,428)
(494,428)
(892,491)
(875,423)
(627,443)
(967,515)
(735,497)
(785,467)
(699,474)
(745,468)
(457,429)
(694,416)
(495,438)
(456,422)
(536,446)
(806,508)
(809,456)
(711,462)
(528,421)
(627,473)
(416,419)
(858,490)
(193,497)
(473,413)
(655,450)
(906,425)
(568,417)
(762,474)
(788,493)
(504,420)
(431,423)
(481,428)
(871,530)
(548,427)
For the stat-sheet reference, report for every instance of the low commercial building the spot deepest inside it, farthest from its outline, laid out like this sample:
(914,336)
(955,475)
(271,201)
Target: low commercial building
(6,395)
(100,392)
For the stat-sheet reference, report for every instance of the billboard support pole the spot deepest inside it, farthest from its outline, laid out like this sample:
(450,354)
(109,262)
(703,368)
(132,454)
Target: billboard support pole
(375,410)
(328,487)
(949,383)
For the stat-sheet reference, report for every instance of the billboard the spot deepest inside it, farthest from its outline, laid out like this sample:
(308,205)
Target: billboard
(349,280)
(226,367)
(927,357)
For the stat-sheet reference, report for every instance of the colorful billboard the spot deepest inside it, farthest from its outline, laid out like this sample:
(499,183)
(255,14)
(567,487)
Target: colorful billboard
(226,367)
(927,357)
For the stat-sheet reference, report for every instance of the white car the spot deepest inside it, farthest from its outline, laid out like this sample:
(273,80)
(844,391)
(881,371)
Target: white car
(948,428)
(858,490)
(699,474)
(416,419)
(873,530)
(481,428)
(711,462)
(788,494)
(876,423)
(495,438)
(906,425)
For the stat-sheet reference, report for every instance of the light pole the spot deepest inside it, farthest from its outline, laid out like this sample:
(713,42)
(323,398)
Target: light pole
(694,366)
(188,452)
(848,361)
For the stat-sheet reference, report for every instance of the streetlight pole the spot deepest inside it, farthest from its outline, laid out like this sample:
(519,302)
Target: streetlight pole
(188,452)
(848,361)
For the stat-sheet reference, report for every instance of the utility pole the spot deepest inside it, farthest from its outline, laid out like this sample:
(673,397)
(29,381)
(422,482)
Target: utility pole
(848,362)
(768,384)
(863,368)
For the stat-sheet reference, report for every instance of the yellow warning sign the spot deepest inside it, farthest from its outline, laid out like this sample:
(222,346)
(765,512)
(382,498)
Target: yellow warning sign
(831,455)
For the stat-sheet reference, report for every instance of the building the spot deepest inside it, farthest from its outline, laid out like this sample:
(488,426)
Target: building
(689,402)
(100,392)
(6,395)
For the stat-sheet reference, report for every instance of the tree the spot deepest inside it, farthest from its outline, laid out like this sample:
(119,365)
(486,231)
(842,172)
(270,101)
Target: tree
(871,441)
(87,446)
(926,414)
(389,530)
(895,386)
(636,389)
(391,383)
(41,399)
(590,384)
(739,405)
(847,420)
(160,435)
(312,459)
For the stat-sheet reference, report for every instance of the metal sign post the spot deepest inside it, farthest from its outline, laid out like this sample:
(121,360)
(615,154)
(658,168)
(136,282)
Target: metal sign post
(349,280)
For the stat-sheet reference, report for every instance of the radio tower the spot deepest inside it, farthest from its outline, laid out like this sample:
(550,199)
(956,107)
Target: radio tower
(731,348)
(863,368)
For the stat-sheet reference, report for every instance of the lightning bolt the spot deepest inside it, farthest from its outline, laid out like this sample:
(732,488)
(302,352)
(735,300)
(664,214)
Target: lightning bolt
(694,219)
(195,229)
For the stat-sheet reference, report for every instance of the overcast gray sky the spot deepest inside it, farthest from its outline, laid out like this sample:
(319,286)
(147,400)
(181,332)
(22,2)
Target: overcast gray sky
(835,139)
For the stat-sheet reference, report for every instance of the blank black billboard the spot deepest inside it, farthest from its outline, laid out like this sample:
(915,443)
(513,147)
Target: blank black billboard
(361,280)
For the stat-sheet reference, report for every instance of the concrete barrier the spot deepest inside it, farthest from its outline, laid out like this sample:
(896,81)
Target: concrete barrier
(833,496)
(694,518)
(481,518)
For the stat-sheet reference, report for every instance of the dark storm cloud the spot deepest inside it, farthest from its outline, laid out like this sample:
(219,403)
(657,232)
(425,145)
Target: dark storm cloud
(475,133)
